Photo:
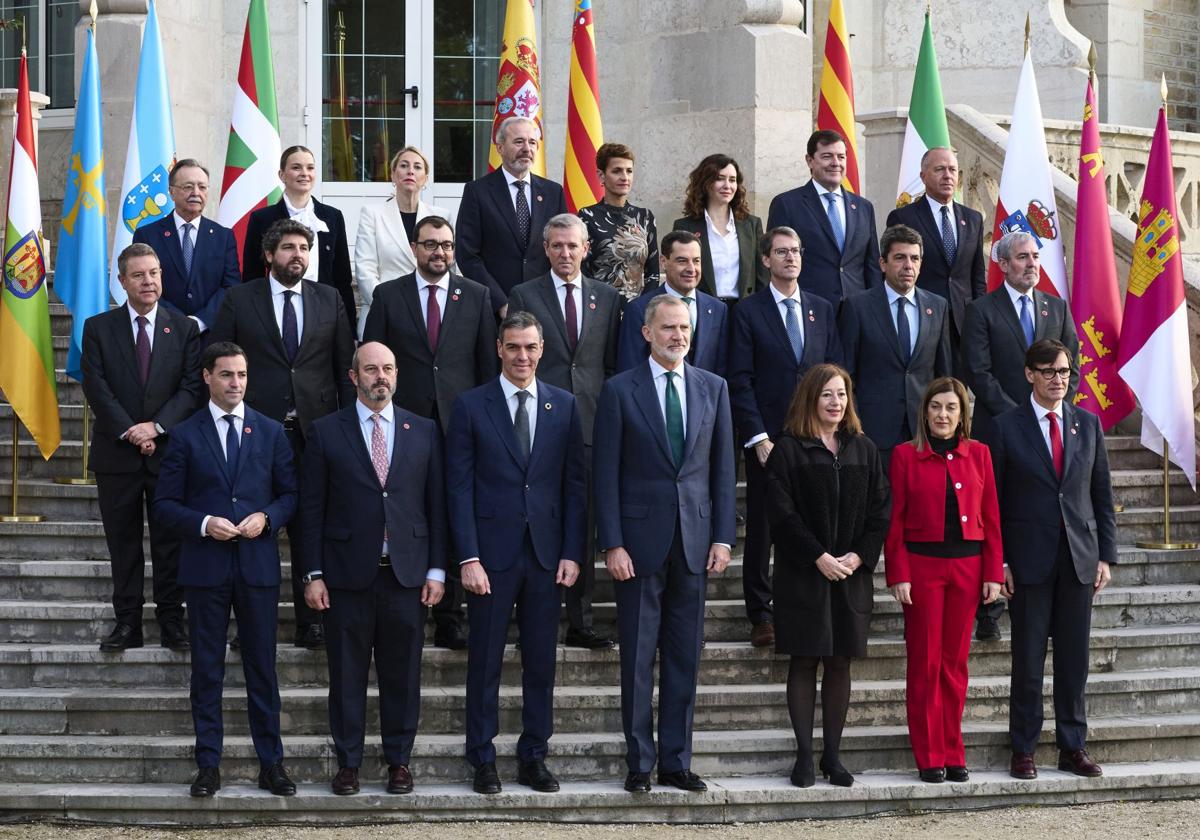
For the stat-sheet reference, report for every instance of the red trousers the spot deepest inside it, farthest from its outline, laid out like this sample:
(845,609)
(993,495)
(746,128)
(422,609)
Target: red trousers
(937,634)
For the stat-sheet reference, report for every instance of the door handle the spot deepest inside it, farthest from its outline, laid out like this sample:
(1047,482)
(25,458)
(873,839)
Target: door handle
(413,92)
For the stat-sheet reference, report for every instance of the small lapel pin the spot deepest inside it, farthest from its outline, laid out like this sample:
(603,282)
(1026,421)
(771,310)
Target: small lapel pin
(591,306)
(166,330)
(591,297)
(166,233)
(453,297)
(709,310)
(549,406)
(458,291)
(539,198)
(928,311)
(811,316)
(406,426)
(211,231)
(962,222)
(246,430)
(853,206)
(1074,431)
(1045,313)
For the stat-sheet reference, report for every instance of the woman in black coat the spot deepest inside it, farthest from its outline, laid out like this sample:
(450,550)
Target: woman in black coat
(828,506)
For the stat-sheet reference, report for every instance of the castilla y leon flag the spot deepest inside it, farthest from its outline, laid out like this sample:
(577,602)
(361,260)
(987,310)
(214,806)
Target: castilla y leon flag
(1095,295)
(926,127)
(26,350)
(835,110)
(251,177)
(581,183)
(1026,200)
(1154,355)
(519,80)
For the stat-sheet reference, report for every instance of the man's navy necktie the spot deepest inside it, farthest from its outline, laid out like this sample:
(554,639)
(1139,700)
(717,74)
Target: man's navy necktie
(902,331)
(233,445)
(291,331)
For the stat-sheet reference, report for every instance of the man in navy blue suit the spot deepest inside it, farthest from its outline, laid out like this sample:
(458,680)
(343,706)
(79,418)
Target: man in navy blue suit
(680,261)
(1059,532)
(225,488)
(502,214)
(198,256)
(778,334)
(836,226)
(518,509)
(664,488)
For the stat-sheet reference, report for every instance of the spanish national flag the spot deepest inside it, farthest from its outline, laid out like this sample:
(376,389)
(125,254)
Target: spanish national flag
(835,110)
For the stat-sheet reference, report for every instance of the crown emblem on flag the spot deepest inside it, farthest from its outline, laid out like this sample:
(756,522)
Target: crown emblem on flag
(1156,244)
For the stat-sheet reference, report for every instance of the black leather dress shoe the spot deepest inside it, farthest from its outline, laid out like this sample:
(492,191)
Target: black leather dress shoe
(122,637)
(535,775)
(450,637)
(275,779)
(174,636)
(310,636)
(637,782)
(932,775)
(957,774)
(487,781)
(587,637)
(684,780)
(207,782)
(345,783)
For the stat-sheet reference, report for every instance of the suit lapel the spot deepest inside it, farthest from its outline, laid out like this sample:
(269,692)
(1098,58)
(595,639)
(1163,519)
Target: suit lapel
(537,208)
(410,293)
(696,393)
(808,194)
(354,438)
(1008,314)
(1033,432)
(960,230)
(498,187)
(170,239)
(704,320)
(165,341)
(122,336)
(1041,312)
(927,328)
(883,314)
(399,448)
(645,395)
(393,226)
(1070,436)
(547,423)
(497,411)
(266,315)
(246,443)
(930,230)
(208,431)
(453,305)
(850,205)
(748,249)
(775,322)
(549,295)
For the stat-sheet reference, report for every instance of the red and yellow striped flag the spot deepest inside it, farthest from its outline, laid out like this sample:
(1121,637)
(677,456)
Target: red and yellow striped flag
(519,80)
(585,133)
(835,111)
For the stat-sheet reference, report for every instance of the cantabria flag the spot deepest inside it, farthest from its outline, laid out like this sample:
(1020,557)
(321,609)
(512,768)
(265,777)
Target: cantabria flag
(926,128)
(251,177)
(26,352)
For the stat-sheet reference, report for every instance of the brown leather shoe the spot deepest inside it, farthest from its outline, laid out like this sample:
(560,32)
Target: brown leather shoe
(1079,763)
(763,634)
(399,779)
(345,782)
(1022,766)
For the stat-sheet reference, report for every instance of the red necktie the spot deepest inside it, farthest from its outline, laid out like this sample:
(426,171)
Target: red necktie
(1056,447)
(572,318)
(433,317)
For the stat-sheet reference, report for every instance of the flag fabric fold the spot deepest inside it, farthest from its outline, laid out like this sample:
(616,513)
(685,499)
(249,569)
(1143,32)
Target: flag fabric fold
(1154,356)
(519,80)
(585,134)
(835,108)
(26,349)
(926,126)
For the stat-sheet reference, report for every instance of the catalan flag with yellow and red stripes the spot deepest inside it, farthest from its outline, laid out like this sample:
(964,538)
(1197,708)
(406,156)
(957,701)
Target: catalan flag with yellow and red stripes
(585,134)
(835,111)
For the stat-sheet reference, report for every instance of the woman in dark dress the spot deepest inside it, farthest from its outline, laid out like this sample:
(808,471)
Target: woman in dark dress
(827,502)
(622,239)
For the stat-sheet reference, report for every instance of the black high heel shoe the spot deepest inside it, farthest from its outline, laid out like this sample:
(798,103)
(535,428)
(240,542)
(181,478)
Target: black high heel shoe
(932,775)
(802,773)
(836,773)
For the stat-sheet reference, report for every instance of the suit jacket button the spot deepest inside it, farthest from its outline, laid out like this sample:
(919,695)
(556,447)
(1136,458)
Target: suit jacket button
(385,494)
(958,485)
(526,486)
(949,456)
(189,295)
(234,500)
(964,518)
(435,367)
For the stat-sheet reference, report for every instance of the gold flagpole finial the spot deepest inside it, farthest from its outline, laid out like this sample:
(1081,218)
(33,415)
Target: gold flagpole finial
(94,12)
(1027,33)
(1162,89)
(928,7)
(1092,58)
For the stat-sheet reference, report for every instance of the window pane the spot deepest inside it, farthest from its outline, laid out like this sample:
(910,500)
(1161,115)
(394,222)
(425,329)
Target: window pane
(383,32)
(454,150)
(60,52)
(467,43)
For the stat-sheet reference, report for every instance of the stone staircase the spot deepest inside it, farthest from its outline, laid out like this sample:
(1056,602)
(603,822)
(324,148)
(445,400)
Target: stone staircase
(108,738)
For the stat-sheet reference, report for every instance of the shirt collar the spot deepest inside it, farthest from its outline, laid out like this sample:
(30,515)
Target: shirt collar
(511,179)
(442,282)
(670,291)
(364,412)
(657,370)
(278,288)
(151,316)
(559,282)
(179,221)
(510,389)
(780,297)
(892,294)
(298,211)
(821,191)
(730,231)
(1040,412)
(936,206)
(1016,296)
(218,413)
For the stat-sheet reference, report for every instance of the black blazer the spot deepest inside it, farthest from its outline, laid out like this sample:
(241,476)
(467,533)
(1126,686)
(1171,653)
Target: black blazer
(114,390)
(828,272)
(1035,506)
(334,266)
(961,282)
(886,390)
(993,350)
(763,373)
(466,354)
(752,274)
(489,250)
(595,357)
(317,381)
(214,266)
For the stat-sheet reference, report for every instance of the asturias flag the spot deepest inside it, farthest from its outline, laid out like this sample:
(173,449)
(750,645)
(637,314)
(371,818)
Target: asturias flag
(81,269)
(926,128)
(26,350)
(1154,355)
(519,80)
(835,109)
(585,134)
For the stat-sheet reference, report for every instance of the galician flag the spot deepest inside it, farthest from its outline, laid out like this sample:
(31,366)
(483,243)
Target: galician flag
(151,151)
(926,128)
(1095,295)
(251,177)
(519,80)
(1154,354)
(80,272)
(26,351)
(1026,199)
(585,133)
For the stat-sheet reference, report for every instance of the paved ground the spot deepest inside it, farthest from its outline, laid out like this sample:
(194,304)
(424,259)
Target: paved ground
(1110,821)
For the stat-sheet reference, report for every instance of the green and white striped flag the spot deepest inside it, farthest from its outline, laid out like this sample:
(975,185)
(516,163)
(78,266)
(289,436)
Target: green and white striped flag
(926,127)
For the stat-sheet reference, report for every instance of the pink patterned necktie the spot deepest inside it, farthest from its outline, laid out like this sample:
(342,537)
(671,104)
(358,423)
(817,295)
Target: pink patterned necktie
(379,451)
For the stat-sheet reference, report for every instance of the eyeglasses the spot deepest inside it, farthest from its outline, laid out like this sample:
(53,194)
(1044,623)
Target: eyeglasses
(1049,373)
(784,253)
(431,245)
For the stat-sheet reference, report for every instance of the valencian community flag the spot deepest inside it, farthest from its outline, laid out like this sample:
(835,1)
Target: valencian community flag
(1154,355)
(835,109)
(81,266)
(151,151)
(926,128)
(519,80)
(26,351)
(251,176)
(1095,295)
(585,134)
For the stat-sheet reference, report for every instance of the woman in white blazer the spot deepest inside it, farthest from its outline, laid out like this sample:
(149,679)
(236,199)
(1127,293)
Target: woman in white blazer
(382,251)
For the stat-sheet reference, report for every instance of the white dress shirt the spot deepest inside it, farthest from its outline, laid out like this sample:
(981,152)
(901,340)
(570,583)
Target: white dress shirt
(191,235)
(840,204)
(277,300)
(690,304)
(150,316)
(307,216)
(1016,296)
(910,313)
(726,257)
(222,427)
(1042,414)
(560,288)
(659,374)
(511,180)
(935,207)
(441,288)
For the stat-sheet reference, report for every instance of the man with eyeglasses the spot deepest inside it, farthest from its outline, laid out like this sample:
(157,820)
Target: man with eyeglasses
(778,334)
(1059,533)
(442,330)
(999,328)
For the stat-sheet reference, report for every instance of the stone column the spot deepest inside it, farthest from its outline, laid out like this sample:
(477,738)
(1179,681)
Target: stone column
(8,129)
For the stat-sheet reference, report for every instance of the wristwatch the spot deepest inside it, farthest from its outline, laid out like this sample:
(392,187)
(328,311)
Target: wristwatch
(311,576)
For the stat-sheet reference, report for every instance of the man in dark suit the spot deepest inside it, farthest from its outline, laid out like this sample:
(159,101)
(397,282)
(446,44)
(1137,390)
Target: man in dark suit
(664,476)
(580,318)
(226,487)
(836,226)
(895,340)
(1059,532)
(442,330)
(374,521)
(778,334)
(198,256)
(515,481)
(141,375)
(501,213)
(299,342)
(953,265)
(681,265)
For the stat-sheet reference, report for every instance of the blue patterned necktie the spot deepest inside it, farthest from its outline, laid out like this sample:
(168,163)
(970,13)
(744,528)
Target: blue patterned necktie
(1026,320)
(835,220)
(792,323)
(948,243)
(188,248)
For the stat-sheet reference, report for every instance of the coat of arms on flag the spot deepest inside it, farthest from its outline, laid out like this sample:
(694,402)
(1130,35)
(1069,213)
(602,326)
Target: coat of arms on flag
(25,266)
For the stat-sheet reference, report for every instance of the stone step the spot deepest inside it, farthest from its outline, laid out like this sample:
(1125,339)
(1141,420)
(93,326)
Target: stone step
(70,418)
(1125,452)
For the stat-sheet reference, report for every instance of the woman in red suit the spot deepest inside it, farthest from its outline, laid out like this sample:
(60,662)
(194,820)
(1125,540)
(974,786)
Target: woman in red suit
(943,549)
